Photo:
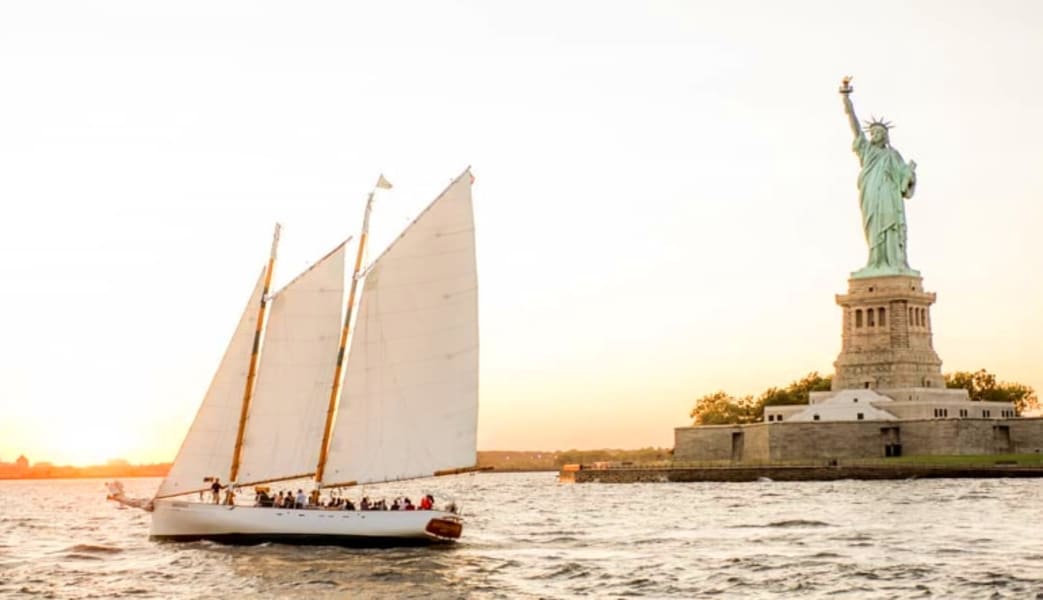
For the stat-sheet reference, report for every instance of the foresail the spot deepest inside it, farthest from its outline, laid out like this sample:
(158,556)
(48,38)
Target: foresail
(409,406)
(207,448)
(287,415)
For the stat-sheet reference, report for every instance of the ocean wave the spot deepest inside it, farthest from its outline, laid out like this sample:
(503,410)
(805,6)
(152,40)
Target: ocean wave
(78,556)
(93,549)
(786,523)
(570,570)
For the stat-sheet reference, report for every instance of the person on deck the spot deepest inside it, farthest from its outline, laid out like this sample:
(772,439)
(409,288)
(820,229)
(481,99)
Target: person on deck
(408,505)
(302,500)
(215,490)
(427,502)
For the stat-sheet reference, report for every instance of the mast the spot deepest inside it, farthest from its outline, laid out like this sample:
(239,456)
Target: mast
(337,373)
(252,372)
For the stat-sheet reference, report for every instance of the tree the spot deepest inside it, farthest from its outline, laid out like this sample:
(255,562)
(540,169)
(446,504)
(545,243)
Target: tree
(982,386)
(719,408)
(797,392)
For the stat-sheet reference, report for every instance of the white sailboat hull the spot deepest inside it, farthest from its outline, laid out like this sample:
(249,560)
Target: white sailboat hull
(189,521)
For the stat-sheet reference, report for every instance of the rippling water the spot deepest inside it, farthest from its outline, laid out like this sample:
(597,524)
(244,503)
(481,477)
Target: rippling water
(529,537)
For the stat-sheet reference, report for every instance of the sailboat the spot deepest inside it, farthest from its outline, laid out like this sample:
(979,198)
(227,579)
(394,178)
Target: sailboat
(307,389)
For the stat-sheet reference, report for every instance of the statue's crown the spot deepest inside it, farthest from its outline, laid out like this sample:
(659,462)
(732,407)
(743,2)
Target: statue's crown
(878,123)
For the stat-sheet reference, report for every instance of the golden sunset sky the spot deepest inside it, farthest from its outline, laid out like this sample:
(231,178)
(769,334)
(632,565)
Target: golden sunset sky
(665,196)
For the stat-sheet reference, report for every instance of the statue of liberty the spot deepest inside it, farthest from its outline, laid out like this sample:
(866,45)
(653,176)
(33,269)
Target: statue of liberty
(883,184)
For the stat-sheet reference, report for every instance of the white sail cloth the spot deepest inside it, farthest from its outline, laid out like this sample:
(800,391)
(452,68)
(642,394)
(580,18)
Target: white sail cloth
(410,402)
(208,446)
(288,411)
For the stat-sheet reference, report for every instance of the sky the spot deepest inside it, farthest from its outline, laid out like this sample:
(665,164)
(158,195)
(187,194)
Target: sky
(665,196)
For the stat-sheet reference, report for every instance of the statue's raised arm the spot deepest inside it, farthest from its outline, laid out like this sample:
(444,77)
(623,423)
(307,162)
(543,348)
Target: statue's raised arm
(849,108)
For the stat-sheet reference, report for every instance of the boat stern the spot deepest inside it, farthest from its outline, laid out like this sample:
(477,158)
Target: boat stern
(445,528)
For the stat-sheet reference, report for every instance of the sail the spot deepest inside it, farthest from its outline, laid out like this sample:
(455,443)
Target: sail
(207,449)
(409,405)
(287,415)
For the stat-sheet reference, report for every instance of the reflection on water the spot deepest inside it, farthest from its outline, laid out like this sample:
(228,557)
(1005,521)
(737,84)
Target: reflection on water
(530,537)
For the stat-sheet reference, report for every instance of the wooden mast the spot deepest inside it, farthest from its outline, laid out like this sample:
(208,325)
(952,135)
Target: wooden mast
(252,372)
(320,470)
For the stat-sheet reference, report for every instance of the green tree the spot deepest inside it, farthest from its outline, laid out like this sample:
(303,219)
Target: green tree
(719,408)
(797,392)
(982,386)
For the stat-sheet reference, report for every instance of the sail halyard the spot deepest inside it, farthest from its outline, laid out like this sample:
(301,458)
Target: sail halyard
(409,405)
(255,352)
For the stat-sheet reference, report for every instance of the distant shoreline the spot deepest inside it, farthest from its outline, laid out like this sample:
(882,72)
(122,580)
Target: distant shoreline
(502,461)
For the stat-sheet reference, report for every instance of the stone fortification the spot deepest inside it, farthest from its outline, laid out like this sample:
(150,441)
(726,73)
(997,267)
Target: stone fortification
(797,441)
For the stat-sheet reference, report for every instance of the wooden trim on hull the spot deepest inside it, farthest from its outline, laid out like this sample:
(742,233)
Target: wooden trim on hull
(348,541)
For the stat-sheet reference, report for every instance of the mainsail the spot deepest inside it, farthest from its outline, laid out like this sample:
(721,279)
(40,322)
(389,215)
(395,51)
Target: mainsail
(287,414)
(410,401)
(207,448)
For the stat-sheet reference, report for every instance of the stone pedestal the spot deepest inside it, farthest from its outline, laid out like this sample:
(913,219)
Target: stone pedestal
(887,335)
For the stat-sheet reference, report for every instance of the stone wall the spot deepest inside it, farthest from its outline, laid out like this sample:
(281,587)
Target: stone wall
(704,443)
(1027,435)
(824,441)
(796,441)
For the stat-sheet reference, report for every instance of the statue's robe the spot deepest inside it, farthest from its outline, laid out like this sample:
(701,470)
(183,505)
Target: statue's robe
(884,182)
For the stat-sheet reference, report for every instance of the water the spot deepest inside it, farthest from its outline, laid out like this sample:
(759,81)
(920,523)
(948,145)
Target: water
(529,537)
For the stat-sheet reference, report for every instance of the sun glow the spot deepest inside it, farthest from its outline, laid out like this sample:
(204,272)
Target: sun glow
(79,443)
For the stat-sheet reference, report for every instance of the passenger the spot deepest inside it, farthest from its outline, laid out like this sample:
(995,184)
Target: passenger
(215,490)
(427,502)
(364,503)
(262,499)
(408,505)
(348,504)
(229,496)
(302,500)
(395,505)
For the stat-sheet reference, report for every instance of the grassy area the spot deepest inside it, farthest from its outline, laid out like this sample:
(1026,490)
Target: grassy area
(1025,460)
